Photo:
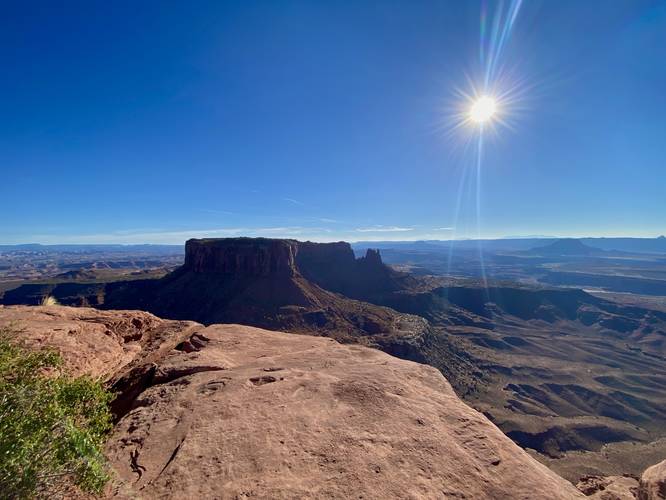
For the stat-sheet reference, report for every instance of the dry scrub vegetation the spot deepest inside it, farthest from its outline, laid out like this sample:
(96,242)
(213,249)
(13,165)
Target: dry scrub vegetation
(52,426)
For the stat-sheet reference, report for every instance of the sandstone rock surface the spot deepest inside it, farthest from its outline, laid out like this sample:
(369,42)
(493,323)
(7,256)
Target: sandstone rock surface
(255,413)
(651,486)
(653,482)
(609,487)
(92,342)
(241,256)
(230,411)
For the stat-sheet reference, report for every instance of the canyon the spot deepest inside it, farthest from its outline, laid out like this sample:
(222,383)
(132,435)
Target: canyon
(233,411)
(576,380)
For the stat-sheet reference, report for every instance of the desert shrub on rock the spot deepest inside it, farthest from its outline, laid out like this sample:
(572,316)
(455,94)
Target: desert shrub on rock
(52,426)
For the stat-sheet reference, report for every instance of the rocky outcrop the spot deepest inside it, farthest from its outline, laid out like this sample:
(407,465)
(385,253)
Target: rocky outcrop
(93,342)
(609,487)
(372,258)
(277,284)
(651,486)
(241,256)
(229,411)
(653,483)
(332,266)
(315,258)
(274,283)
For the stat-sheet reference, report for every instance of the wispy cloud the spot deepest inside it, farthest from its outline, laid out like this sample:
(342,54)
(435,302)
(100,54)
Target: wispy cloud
(178,237)
(290,230)
(293,201)
(383,229)
(216,212)
(443,228)
(140,236)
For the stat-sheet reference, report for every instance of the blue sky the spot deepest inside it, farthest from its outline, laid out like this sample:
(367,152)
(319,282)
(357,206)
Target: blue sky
(154,122)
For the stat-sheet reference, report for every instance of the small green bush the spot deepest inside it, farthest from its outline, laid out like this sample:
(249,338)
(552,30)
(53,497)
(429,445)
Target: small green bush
(52,426)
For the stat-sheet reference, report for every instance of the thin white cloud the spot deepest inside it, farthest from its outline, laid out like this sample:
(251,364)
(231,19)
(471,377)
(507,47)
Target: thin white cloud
(293,201)
(216,212)
(138,237)
(178,237)
(384,229)
(290,230)
(443,228)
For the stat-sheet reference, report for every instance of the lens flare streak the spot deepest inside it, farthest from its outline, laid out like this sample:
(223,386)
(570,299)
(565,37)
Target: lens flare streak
(492,48)
(487,105)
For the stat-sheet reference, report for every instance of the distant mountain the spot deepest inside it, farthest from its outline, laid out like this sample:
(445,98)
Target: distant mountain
(84,248)
(631,245)
(628,245)
(566,246)
(530,237)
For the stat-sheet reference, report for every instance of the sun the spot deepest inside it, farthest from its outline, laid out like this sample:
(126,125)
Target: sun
(483,109)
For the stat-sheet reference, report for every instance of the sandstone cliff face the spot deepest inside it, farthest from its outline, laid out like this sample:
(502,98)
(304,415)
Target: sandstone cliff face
(315,257)
(278,284)
(230,411)
(332,266)
(242,256)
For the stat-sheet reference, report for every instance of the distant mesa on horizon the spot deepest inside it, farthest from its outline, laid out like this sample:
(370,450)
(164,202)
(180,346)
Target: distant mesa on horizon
(530,237)
(525,245)
(566,246)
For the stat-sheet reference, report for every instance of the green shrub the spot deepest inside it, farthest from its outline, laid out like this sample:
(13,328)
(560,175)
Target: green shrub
(52,426)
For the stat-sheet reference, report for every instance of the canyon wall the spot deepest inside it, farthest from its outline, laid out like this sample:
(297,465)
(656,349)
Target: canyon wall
(241,256)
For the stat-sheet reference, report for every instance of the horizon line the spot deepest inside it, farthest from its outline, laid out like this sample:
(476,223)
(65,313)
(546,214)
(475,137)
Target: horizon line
(330,240)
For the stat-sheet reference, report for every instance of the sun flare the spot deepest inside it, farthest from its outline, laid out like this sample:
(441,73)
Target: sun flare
(483,109)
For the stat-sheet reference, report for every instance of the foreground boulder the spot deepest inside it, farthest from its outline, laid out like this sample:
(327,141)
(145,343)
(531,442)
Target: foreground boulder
(97,343)
(653,483)
(651,486)
(609,487)
(232,411)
